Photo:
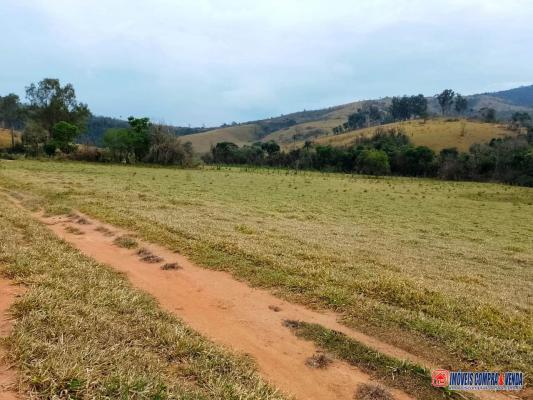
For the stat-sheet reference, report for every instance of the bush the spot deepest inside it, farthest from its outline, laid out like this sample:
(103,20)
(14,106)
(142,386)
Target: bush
(374,162)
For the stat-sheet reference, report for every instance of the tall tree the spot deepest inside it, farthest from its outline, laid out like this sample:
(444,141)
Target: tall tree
(418,106)
(461,104)
(11,113)
(50,103)
(445,100)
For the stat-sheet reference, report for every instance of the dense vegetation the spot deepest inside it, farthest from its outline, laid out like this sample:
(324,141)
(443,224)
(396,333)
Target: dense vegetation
(53,122)
(391,152)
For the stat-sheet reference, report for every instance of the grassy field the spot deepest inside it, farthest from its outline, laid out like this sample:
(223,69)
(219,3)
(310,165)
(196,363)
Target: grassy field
(83,333)
(240,134)
(443,269)
(436,134)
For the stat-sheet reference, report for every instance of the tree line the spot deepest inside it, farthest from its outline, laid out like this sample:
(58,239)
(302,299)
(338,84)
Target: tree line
(390,152)
(405,108)
(53,122)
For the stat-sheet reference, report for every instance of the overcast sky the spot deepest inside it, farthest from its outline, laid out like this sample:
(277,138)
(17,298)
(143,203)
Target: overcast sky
(213,61)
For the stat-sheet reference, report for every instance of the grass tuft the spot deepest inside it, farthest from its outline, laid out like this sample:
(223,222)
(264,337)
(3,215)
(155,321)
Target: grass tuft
(126,242)
(368,391)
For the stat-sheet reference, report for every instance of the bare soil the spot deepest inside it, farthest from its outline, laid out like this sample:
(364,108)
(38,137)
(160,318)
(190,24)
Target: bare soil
(8,375)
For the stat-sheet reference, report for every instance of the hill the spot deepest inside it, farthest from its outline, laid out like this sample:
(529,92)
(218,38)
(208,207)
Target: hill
(522,96)
(317,125)
(436,134)
(239,134)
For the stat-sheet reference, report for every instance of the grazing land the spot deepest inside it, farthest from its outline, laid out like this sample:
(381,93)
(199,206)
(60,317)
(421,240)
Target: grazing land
(240,135)
(442,269)
(437,134)
(83,332)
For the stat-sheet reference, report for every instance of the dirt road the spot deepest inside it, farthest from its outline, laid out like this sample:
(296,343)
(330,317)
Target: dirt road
(232,313)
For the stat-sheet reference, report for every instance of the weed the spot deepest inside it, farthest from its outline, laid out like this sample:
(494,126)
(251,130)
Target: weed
(126,242)
(169,266)
(73,230)
(318,360)
(369,391)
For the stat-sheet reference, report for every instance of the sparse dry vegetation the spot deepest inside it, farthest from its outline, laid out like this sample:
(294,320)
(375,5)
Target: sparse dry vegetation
(73,230)
(437,134)
(126,242)
(170,266)
(368,391)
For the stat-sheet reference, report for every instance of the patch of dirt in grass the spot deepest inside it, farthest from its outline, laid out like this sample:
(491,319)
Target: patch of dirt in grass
(105,231)
(8,376)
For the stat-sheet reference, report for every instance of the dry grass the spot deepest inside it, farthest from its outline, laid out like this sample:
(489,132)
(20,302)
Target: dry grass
(83,332)
(73,230)
(105,231)
(443,269)
(170,266)
(126,242)
(318,360)
(368,391)
(436,134)
(240,134)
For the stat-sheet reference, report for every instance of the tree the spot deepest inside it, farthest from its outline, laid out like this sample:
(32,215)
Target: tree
(400,108)
(374,162)
(488,114)
(357,120)
(521,118)
(32,136)
(166,148)
(119,141)
(63,136)
(270,147)
(140,132)
(461,104)
(50,103)
(445,100)
(11,114)
(418,106)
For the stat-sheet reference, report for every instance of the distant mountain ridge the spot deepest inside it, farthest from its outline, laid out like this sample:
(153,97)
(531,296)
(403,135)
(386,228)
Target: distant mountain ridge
(521,96)
(315,123)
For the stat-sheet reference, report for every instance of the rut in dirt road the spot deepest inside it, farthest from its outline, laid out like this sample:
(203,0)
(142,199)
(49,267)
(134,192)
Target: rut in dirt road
(230,312)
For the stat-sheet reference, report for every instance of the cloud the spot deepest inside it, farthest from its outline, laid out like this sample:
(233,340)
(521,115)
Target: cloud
(201,61)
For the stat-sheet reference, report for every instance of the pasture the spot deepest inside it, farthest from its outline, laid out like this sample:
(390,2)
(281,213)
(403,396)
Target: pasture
(441,269)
